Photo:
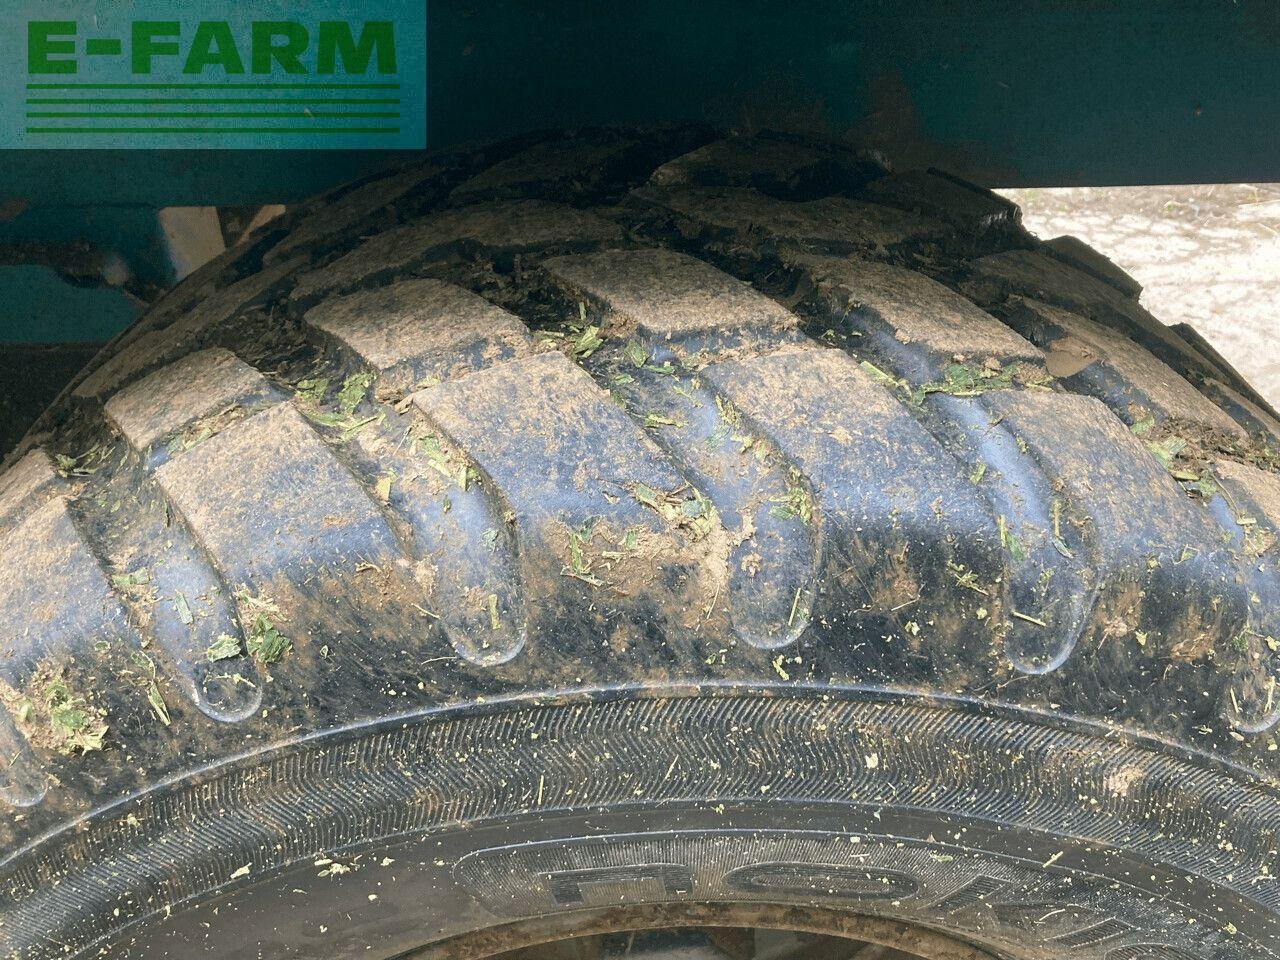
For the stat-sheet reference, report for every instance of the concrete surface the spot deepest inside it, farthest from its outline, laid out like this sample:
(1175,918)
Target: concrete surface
(1205,255)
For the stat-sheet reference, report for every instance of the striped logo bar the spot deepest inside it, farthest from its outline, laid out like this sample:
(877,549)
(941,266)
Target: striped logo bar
(248,74)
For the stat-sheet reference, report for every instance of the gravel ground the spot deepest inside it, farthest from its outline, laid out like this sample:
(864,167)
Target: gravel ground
(1205,255)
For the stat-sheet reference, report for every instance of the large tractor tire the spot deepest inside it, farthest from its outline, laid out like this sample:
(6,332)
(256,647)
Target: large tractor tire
(621,531)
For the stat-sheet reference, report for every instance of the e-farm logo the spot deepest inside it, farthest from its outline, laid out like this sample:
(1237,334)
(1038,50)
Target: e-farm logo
(262,74)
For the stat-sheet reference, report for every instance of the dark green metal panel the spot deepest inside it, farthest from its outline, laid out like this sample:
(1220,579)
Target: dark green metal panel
(130,233)
(1015,93)
(39,306)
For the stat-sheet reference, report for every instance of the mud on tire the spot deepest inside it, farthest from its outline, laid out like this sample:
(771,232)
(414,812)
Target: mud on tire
(659,525)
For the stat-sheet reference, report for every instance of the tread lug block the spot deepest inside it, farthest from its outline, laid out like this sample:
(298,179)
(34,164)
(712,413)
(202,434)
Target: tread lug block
(1167,597)
(1037,275)
(50,569)
(774,166)
(417,330)
(681,309)
(499,229)
(303,546)
(613,540)
(156,570)
(1049,582)
(943,343)
(676,305)
(941,196)
(179,602)
(762,501)
(458,529)
(136,357)
(69,649)
(1248,507)
(897,519)
(183,404)
(1076,253)
(837,224)
(367,209)
(23,782)
(1102,362)
(174,596)
(917,322)
(27,485)
(153,349)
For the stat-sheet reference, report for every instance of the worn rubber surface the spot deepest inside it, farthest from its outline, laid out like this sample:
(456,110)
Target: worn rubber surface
(634,520)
